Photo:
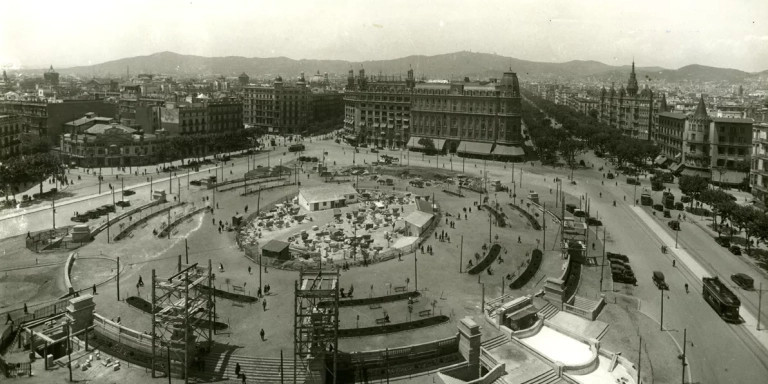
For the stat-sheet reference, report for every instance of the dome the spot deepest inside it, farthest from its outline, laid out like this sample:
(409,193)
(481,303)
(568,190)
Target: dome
(317,79)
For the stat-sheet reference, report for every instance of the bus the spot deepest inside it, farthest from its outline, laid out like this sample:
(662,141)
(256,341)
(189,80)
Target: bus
(721,299)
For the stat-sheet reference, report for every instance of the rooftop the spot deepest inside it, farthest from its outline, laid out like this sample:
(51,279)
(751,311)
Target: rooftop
(327,192)
(100,129)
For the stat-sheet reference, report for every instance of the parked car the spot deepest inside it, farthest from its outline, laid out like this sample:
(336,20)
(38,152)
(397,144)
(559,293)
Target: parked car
(735,249)
(123,203)
(743,281)
(593,222)
(79,218)
(619,263)
(196,183)
(92,214)
(129,192)
(674,224)
(109,207)
(658,279)
(723,241)
(617,256)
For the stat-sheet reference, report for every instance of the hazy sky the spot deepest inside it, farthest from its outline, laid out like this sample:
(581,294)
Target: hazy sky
(667,33)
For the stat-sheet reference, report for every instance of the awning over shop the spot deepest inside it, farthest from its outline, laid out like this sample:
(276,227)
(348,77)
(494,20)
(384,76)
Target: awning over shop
(506,150)
(730,177)
(413,143)
(675,167)
(696,172)
(474,148)
(660,160)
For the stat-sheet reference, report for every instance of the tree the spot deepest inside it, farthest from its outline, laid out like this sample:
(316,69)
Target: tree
(569,149)
(747,218)
(692,186)
(429,145)
(722,204)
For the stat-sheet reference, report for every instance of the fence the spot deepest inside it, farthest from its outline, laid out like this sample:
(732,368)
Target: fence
(126,231)
(41,240)
(48,310)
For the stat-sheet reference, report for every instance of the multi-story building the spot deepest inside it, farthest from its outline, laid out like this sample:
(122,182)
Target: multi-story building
(109,145)
(201,118)
(716,148)
(758,175)
(51,77)
(279,108)
(629,110)
(378,110)
(468,118)
(10,130)
(47,119)
(292,109)
(471,119)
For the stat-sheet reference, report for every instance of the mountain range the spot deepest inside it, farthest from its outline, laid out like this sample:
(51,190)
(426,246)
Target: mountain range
(455,65)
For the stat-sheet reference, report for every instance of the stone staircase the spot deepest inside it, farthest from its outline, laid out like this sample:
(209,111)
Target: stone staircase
(585,304)
(494,342)
(256,369)
(548,377)
(548,311)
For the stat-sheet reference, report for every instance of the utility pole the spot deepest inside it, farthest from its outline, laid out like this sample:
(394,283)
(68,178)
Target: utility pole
(186,251)
(107,227)
(639,358)
(544,231)
(759,305)
(661,322)
(415,272)
(150,187)
(69,350)
(602,264)
(154,335)
(170,179)
(122,189)
(685,341)
(53,211)
(117,281)
(461,254)
(482,300)
(186,326)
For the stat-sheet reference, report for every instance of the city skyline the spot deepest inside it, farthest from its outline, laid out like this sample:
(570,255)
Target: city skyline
(659,34)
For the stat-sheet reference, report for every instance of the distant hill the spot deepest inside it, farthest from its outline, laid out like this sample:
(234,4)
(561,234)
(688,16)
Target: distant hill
(455,65)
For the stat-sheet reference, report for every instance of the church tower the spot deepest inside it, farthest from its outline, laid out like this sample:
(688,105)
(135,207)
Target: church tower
(632,87)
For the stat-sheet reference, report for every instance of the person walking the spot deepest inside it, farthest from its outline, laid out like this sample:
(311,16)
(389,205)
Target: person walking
(237,369)
(249,269)
(261,333)
(264,305)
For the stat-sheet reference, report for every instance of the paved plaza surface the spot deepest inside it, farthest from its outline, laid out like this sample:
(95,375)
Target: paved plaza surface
(717,350)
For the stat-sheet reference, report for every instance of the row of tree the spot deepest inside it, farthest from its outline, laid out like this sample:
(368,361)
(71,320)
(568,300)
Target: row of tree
(577,132)
(29,169)
(749,219)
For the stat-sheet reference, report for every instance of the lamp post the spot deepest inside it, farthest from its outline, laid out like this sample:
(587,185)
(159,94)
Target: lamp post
(661,321)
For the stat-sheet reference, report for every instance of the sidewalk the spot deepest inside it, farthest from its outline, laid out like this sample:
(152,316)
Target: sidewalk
(684,258)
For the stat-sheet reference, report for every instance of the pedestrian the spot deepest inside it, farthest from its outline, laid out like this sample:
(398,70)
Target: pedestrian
(261,333)
(518,240)
(213,221)
(249,269)
(258,293)
(94,289)
(265,269)
(673,263)
(237,369)
(264,304)
(141,282)
(25,309)
(219,229)
(243,376)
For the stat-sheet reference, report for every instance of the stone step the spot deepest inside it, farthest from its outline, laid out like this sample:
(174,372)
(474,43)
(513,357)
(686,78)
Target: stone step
(548,377)
(584,303)
(256,369)
(494,342)
(549,310)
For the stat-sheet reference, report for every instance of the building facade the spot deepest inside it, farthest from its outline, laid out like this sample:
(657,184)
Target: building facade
(716,148)
(629,109)
(377,110)
(47,119)
(10,131)
(477,116)
(109,145)
(462,117)
(280,108)
(758,175)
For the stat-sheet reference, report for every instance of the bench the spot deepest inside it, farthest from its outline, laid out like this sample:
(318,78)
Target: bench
(375,306)
(399,289)
(381,321)
(425,312)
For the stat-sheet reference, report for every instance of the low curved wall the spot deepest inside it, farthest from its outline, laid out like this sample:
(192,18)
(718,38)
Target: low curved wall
(528,332)
(530,270)
(173,225)
(121,216)
(143,220)
(586,367)
(67,270)
(489,258)
(390,328)
(534,223)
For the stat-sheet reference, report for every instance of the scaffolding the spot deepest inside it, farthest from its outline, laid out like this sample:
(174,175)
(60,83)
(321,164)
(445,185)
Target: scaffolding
(316,321)
(183,314)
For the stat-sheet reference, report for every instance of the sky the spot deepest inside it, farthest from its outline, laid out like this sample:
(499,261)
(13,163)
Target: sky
(665,33)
